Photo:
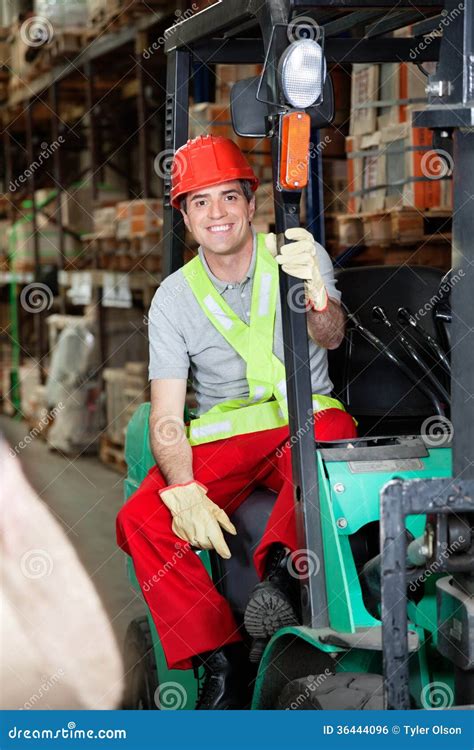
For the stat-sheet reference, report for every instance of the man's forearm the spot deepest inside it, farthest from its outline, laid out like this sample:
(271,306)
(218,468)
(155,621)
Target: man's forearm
(326,328)
(171,449)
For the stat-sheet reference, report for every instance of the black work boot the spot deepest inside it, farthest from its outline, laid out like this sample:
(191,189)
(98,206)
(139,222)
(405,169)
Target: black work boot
(226,680)
(274,603)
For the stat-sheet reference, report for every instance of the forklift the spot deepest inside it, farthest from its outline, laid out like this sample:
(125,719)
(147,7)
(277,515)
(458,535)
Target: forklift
(385,521)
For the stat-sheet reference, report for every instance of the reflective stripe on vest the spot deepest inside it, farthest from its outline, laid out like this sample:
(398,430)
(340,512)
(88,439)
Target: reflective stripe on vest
(266,406)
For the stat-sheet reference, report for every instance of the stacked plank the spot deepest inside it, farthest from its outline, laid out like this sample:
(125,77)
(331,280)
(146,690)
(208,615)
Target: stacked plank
(126,388)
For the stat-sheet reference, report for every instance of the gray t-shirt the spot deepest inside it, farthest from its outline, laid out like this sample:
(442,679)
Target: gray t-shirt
(182,337)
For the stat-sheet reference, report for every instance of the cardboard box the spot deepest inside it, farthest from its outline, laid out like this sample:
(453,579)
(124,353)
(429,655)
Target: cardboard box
(364,91)
(21,244)
(139,218)
(391,168)
(227,75)
(210,119)
(104,221)
(335,185)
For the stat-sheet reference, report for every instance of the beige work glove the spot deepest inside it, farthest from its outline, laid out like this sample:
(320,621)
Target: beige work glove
(196,519)
(300,259)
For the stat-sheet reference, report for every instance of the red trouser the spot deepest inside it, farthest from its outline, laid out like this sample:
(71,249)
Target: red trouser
(190,615)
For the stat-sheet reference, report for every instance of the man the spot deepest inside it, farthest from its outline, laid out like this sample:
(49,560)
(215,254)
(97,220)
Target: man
(220,315)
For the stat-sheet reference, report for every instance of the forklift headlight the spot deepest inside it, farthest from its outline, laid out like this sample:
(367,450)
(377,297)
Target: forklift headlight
(302,70)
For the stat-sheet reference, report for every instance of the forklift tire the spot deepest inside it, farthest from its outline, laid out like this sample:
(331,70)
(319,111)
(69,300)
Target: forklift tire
(344,690)
(141,674)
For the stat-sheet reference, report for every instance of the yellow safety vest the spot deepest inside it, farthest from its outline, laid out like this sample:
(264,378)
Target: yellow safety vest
(266,406)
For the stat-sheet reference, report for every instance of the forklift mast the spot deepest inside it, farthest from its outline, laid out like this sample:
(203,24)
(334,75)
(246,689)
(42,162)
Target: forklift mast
(252,31)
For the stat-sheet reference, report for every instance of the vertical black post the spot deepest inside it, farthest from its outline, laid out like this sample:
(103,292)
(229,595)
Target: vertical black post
(93,150)
(92,129)
(7,149)
(298,379)
(143,156)
(176,134)
(57,173)
(315,192)
(38,321)
(462,379)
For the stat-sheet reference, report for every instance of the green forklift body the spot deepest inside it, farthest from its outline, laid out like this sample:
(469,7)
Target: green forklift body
(350,498)
(140,460)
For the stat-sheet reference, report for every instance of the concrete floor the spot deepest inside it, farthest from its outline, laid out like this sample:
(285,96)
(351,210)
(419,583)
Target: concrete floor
(85,496)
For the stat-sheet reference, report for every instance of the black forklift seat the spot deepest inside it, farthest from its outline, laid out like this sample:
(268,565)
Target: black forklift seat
(237,577)
(374,390)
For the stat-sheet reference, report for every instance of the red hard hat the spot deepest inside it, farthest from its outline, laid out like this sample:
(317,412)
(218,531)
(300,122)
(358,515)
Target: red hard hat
(208,160)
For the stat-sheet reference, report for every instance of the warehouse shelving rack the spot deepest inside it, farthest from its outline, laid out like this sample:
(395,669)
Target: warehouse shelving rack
(35,108)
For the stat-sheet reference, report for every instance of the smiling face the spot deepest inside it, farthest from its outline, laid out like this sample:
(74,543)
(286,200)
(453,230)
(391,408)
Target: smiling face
(219,217)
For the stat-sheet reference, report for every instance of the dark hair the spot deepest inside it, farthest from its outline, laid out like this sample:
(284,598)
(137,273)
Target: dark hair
(244,184)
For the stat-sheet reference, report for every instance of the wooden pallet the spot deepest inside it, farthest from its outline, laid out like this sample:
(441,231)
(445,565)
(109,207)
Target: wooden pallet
(113,17)
(405,226)
(112,454)
(66,43)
